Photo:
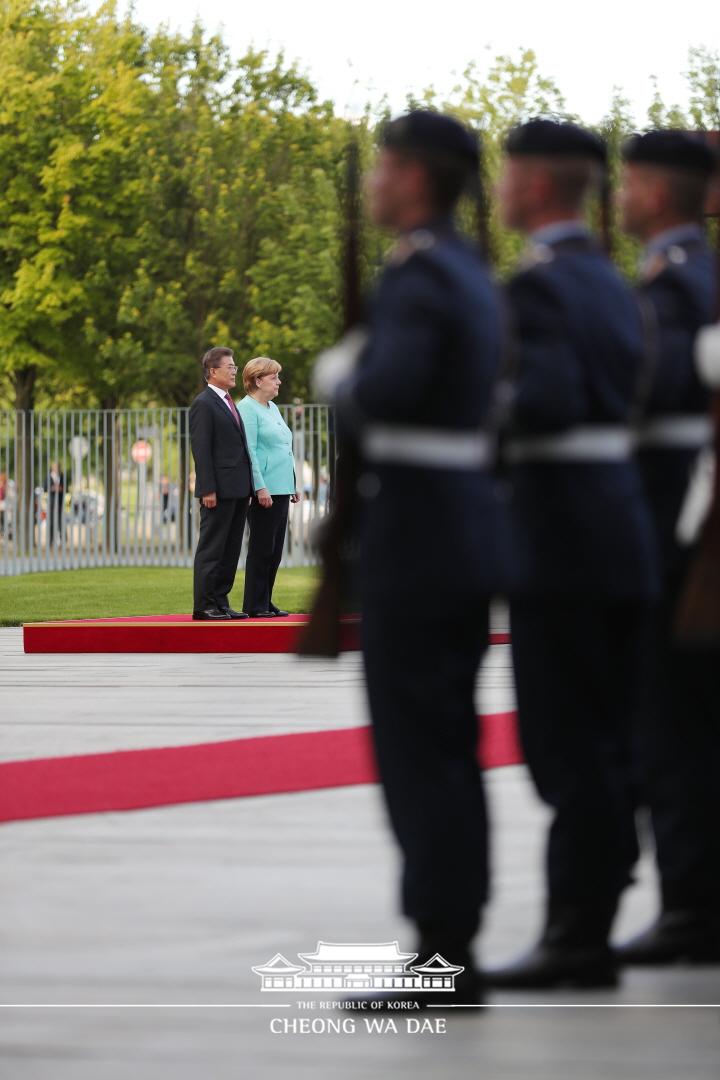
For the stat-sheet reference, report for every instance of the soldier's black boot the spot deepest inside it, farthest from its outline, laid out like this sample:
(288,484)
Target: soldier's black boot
(468,984)
(437,954)
(573,952)
(689,936)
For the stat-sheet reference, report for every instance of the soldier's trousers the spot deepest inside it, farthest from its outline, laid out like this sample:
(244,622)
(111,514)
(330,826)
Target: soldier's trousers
(680,767)
(421,667)
(578,673)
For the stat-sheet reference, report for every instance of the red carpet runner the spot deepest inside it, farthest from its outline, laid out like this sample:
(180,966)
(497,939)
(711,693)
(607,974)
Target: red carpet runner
(179,634)
(133,779)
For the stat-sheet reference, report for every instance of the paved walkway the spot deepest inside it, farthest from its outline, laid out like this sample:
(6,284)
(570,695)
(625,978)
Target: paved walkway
(172,907)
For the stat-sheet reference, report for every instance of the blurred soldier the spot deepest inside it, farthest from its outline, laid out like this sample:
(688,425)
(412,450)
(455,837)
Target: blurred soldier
(665,180)
(579,610)
(417,404)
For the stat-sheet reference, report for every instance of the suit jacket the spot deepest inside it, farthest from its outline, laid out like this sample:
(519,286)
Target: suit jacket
(270,443)
(584,526)
(431,360)
(49,486)
(220,449)
(681,293)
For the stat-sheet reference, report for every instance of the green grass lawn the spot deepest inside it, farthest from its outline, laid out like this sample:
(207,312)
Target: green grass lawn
(121,590)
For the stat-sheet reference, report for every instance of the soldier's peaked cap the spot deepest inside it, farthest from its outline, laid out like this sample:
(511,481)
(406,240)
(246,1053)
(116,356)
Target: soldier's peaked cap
(673,149)
(554,138)
(428,132)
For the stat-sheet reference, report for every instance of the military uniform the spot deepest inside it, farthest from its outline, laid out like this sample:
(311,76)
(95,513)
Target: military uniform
(579,608)
(679,733)
(418,405)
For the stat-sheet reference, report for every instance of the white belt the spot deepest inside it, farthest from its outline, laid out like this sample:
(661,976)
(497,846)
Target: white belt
(591,443)
(431,448)
(691,432)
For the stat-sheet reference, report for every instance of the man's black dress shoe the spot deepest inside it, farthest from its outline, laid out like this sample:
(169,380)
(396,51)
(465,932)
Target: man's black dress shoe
(278,612)
(235,614)
(212,614)
(676,937)
(557,966)
(262,615)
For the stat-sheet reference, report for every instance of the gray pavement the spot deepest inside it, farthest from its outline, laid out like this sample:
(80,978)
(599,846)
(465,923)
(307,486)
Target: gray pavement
(149,922)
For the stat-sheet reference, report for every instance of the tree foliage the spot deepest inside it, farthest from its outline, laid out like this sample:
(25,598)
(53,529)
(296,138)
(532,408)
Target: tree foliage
(158,195)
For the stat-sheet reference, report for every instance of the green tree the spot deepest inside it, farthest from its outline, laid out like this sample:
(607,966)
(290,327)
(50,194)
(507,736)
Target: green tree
(703,77)
(31,38)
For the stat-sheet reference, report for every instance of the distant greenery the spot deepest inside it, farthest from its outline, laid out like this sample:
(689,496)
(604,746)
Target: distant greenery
(117,591)
(158,195)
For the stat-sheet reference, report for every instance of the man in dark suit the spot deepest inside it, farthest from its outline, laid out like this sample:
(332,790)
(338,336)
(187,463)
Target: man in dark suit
(55,487)
(666,176)
(223,484)
(417,405)
(579,609)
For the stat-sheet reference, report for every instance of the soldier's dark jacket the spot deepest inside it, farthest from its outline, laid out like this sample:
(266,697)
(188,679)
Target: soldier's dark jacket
(427,374)
(579,345)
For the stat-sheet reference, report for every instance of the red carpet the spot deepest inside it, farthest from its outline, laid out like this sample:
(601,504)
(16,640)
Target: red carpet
(179,634)
(132,779)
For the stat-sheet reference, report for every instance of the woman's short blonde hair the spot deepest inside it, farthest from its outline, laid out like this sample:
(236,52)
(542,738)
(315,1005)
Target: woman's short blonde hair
(255,369)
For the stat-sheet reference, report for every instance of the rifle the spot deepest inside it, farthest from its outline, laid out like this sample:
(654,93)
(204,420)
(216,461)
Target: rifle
(321,636)
(697,623)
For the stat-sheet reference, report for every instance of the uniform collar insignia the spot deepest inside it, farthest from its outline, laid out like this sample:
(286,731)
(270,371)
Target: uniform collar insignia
(653,266)
(536,255)
(658,261)
(422,239)
(677,254)
(410,243)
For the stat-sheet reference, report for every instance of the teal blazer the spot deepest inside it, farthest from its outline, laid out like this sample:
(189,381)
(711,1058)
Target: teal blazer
(270,444)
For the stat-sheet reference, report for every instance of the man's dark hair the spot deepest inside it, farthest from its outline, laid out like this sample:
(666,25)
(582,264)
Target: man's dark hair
(212,359)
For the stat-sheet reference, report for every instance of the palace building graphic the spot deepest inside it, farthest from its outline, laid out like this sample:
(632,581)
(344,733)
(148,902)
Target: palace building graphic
(357,967)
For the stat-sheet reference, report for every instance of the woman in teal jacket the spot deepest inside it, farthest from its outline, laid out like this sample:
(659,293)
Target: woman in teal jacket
(270,443)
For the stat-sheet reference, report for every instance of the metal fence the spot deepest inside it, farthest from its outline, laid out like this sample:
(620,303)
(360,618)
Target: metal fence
(116,488)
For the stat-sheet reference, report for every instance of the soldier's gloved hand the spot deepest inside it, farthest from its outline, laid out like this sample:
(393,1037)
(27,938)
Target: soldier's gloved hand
(707,355)
(335,364)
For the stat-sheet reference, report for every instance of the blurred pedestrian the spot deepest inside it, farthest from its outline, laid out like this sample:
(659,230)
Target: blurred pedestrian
(55,488)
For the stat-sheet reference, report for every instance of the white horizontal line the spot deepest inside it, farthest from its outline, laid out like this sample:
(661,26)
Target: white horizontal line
(168,1005)
(562,1005)
(282,1005)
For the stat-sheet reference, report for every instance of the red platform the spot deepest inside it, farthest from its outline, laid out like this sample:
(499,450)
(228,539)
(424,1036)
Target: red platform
(179,634)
